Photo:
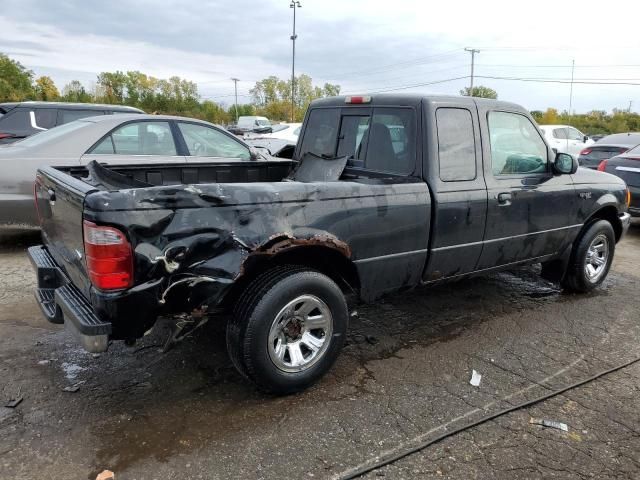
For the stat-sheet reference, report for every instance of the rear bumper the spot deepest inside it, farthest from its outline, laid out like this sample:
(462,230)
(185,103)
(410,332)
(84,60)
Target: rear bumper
(61,302)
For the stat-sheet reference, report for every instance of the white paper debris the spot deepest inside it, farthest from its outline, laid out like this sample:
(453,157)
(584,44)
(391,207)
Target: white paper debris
(550,423)
(475,378)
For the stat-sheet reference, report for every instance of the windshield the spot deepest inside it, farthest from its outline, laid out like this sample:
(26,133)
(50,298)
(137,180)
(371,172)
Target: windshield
(263,123)
(50,135)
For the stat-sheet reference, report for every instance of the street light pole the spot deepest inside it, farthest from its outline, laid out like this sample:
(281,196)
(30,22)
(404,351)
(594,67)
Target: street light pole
(235,84)
(473,52)
(294,4)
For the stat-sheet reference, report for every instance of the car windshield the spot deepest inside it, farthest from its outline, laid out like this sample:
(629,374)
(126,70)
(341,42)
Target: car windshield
(279,128)
(50,135)
(263,123)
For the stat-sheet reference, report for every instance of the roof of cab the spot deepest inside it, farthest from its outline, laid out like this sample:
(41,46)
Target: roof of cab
(413,99)
(72,106)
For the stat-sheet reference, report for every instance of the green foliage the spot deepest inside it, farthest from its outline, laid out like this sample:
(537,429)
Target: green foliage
(596,121)
(480,91)
(272,96)
(15,80)
(75,92)
(45,89)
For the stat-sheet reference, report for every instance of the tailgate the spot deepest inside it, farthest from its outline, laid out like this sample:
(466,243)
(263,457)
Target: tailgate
(59,199)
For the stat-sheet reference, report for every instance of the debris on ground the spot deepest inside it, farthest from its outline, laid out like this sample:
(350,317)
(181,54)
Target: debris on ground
(371,340)
(106,475)
(43,362)
(549,423)
(354,313)
(13,403)
(72,388)
(475,378)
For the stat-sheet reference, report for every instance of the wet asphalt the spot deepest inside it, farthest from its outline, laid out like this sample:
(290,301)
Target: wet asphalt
(403,378)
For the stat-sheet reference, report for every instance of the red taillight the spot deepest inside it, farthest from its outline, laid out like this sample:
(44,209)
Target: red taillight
(109,257)
(5,135)
(586,151)
(365,99)
(602,165)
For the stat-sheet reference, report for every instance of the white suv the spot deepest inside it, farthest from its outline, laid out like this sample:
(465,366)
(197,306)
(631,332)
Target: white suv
(565,139)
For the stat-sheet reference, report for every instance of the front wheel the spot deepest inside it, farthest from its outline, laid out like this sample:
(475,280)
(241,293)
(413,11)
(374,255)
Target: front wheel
(591,259)
(287,329)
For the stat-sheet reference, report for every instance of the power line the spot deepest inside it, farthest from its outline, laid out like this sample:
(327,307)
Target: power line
(509,65)
(551,80)
(405,87)
(384,68)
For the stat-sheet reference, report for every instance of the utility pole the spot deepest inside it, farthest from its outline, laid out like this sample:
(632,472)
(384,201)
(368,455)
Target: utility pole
(473,52)
(630,103)
(295,5)
(573,66)
(235,84)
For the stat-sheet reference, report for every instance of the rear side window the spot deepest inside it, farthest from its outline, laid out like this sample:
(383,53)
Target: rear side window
(456,144)
(383,141)
(204,141)
(67,116)
(45,117)
(560,133)
(140,138)
(17,121)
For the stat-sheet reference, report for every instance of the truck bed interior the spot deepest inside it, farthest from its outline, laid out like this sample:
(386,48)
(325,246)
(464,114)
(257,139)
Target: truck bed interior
(116,177)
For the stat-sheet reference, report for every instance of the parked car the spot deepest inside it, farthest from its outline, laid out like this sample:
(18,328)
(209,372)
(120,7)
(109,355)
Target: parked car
(277,245)
(627,167)
(109,139)
(596,136)
(282,131)
(22,119)
(251,123)
(565,139)
(607,147)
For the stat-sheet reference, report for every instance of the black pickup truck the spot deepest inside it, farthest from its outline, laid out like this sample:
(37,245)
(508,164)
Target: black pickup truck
(384,193)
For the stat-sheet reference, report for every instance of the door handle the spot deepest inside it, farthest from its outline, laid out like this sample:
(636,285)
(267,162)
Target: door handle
(504,199)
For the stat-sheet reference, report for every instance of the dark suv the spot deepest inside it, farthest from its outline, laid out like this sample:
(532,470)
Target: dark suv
(21,119)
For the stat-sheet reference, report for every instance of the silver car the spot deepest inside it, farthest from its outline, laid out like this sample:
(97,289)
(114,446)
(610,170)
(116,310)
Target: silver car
(118,139)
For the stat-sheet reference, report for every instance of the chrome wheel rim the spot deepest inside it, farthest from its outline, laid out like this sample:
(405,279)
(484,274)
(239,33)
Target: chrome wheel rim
(300,334)
(597,257)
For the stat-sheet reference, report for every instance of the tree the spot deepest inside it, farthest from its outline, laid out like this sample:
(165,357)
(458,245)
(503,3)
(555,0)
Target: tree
(480,91)
(74,92)
(113,85)
(15,80)
(45,89)
(549,117)
(272,96)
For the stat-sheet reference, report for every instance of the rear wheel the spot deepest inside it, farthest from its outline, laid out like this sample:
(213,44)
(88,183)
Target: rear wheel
(591,259)
(287,329)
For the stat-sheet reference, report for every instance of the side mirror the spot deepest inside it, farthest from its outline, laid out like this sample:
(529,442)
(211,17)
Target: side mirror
(253,154)
(565,164)
(585,139)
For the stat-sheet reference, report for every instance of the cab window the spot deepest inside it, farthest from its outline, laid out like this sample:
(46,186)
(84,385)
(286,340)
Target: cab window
(516,145)
(456,144)
(382,139)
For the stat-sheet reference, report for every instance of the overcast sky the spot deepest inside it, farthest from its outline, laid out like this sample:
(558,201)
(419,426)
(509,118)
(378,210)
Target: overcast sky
(364,46)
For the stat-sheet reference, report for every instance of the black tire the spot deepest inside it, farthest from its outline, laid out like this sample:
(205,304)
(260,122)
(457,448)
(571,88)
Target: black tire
(576,278)
(254,313)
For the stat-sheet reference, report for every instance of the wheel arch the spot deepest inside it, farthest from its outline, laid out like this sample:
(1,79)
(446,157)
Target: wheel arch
(323,258)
